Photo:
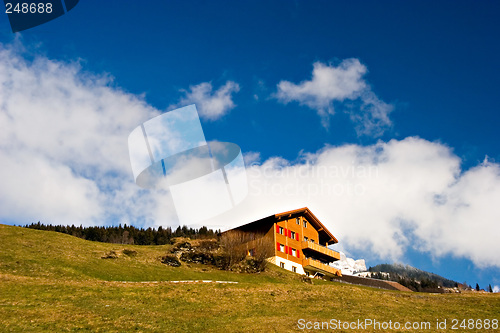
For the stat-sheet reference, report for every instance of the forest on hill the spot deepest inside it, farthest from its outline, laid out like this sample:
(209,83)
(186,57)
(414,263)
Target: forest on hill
(128,234)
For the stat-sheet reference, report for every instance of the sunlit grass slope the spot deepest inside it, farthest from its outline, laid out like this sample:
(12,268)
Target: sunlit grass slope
(36,253)
(52,282)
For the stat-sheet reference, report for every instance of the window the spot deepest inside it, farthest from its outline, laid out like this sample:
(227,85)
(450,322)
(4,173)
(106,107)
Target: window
(306,239)
(305,224)
(251,252)
(312,240)
(297,220)
(282,248)
(282,264)
(294,252)
(281,230)
(292,234)
(294,269)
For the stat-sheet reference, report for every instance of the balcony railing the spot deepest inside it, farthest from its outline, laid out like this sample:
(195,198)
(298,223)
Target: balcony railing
(321,249)
(318,266)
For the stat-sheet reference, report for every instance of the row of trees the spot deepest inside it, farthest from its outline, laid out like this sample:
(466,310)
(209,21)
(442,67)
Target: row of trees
(415,284)
(128,234)
(397,271)
(489,289)
(416,279)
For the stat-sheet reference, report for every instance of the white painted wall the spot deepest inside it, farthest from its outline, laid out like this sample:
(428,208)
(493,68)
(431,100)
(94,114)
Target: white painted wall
(288,264)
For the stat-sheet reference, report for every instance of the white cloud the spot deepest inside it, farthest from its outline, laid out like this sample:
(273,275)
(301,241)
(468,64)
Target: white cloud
(211,105)
(330,84)
(383,199)
(251,157)
(496,289)
(34,184)
(63,145)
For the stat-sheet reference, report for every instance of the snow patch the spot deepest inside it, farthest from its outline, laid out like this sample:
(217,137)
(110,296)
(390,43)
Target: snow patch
(349,266)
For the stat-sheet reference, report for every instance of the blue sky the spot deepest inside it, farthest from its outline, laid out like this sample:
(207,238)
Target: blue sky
(421,102)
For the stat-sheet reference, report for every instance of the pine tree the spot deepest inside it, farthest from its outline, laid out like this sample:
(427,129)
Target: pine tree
(489,289)
(127,234)
(477,287)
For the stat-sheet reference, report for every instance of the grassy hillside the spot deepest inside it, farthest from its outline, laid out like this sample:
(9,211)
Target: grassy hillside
(55,282)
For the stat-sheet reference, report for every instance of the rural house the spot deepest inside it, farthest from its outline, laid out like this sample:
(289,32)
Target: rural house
(294,240)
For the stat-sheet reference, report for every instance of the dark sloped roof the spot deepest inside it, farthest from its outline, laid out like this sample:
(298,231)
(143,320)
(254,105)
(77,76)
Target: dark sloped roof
(324,234)
(313,220)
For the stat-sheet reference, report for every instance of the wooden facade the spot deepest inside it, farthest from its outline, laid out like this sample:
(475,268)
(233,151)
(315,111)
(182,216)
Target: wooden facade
(295,240)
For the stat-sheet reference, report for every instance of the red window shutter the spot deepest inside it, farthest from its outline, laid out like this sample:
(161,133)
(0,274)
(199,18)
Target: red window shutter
(296,236)
(278,246)
(286,249)
(289,233)
(284,232)
(277,228)
(298,254)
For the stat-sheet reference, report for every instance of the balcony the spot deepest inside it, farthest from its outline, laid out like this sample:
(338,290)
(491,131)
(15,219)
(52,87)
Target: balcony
(321,250)
(317,266)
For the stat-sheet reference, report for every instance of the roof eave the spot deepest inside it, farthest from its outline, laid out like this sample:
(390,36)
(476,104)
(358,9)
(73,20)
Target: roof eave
(312,217)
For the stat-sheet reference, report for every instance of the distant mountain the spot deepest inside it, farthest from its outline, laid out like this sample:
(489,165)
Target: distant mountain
(411,277)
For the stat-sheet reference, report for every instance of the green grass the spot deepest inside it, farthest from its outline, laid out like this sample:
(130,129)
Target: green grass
(52,282)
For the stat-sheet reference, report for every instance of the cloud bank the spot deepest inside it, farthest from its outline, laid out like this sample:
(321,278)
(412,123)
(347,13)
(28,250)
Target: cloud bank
(211,105)
(64,160)
(63,145)
(330,85)
(384,199)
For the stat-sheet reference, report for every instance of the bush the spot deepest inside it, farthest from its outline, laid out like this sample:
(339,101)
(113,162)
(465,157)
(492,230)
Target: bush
(225,256)
(222,262)
(208,245)
(197,257)
(110,255)
(130,253)
(184,246)
(171,260)
(255,265)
